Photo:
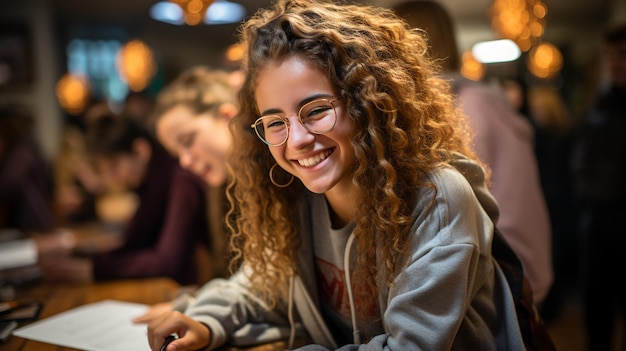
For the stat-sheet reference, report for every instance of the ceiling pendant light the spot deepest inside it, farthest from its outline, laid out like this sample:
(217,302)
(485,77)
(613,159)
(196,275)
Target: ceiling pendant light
(193,12)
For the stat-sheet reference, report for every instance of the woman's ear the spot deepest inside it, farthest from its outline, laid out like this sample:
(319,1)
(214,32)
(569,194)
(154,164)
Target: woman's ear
(227,110)
(142,149)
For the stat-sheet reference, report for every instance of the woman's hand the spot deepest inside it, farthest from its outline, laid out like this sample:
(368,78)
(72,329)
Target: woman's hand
(192,335)
(154,311)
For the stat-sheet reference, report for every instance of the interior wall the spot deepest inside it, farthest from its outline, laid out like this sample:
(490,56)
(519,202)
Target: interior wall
(37,94)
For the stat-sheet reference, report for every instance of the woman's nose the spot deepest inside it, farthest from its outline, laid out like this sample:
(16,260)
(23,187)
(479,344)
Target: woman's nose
(298,134)
(185,159)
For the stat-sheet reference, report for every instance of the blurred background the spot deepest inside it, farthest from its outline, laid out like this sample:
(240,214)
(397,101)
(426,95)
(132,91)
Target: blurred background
(56,55)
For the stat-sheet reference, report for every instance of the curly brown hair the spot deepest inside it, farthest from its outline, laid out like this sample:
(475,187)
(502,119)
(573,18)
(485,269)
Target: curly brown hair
(404,119)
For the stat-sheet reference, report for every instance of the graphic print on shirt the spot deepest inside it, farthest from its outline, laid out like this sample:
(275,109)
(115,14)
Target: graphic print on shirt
(333,290)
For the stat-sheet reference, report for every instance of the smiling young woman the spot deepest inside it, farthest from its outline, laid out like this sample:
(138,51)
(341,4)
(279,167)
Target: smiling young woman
(385,230)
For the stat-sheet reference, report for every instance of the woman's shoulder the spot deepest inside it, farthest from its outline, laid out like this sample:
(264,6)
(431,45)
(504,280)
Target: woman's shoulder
(457,178)
(458,202)
(450,190)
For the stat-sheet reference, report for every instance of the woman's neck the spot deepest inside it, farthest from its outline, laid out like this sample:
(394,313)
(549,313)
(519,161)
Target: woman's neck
(341,206)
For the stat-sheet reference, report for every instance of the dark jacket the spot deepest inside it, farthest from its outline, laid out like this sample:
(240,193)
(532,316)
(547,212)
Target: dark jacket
(25,189)
(599,153)
(170,221)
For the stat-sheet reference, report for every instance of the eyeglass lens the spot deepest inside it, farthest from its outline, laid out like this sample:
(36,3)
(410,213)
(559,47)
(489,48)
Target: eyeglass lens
(316,116)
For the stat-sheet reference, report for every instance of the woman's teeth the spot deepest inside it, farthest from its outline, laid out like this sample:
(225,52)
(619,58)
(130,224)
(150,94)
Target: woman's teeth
(312,161)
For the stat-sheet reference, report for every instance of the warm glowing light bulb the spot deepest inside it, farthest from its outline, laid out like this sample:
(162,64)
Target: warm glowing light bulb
(472,68)
(234,53)
(72,92)
(545,60)
(135,64)
(193,10)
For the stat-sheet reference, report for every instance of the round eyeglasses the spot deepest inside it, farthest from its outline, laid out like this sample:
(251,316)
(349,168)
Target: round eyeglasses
(317,116)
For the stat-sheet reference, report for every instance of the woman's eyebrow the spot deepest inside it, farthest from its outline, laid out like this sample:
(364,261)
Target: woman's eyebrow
(273,111)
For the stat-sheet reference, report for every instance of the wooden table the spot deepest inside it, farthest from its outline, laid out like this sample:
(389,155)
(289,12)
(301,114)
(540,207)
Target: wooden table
(60,297)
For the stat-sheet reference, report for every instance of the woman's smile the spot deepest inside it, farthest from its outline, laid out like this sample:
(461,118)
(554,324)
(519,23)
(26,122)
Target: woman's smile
(316,159)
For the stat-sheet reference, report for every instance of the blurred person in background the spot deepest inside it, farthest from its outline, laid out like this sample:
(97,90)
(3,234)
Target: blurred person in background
(76,183)
(83,200)
(552,122)
(549,117)
(169,222)
(138,106)
(25,175)
(599,169)
(503,139)
(191,119)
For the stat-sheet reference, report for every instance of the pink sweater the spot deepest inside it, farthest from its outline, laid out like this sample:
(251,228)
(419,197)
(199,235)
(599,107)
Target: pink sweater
(504,141)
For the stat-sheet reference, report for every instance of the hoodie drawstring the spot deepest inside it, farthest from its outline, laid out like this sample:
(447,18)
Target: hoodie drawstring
(292,328)
(356,337)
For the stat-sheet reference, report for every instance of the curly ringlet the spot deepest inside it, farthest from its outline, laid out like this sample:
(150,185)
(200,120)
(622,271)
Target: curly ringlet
(405,124)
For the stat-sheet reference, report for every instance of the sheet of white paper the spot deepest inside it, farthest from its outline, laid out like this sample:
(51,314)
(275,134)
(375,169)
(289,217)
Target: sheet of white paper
(101,326)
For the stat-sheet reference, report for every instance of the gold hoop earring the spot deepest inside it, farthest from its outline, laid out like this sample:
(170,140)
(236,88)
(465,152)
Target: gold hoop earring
(274,182)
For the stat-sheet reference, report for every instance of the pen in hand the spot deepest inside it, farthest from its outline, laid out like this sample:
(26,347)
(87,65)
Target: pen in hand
(168,340)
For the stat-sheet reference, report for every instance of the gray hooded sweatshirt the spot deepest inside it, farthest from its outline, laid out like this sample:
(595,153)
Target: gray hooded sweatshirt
(448,292)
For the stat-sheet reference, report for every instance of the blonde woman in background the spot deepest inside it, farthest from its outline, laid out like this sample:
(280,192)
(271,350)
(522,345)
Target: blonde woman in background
(190,120)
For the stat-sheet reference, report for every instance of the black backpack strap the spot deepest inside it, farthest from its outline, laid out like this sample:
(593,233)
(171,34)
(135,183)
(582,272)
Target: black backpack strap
(534,333)
(509,262)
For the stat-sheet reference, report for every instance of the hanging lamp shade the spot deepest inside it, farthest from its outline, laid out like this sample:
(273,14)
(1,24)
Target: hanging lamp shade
(193,10)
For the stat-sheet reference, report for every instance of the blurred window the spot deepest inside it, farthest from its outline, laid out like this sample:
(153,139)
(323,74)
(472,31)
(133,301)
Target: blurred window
(96,60)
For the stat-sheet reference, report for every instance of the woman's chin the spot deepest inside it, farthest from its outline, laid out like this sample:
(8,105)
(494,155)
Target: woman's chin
(214,180)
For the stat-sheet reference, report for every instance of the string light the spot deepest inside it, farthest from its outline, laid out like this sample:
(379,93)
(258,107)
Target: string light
(519,20)
(523,21)
(545,60)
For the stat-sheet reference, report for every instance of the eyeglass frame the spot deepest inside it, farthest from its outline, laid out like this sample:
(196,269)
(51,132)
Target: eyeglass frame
(288,125)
